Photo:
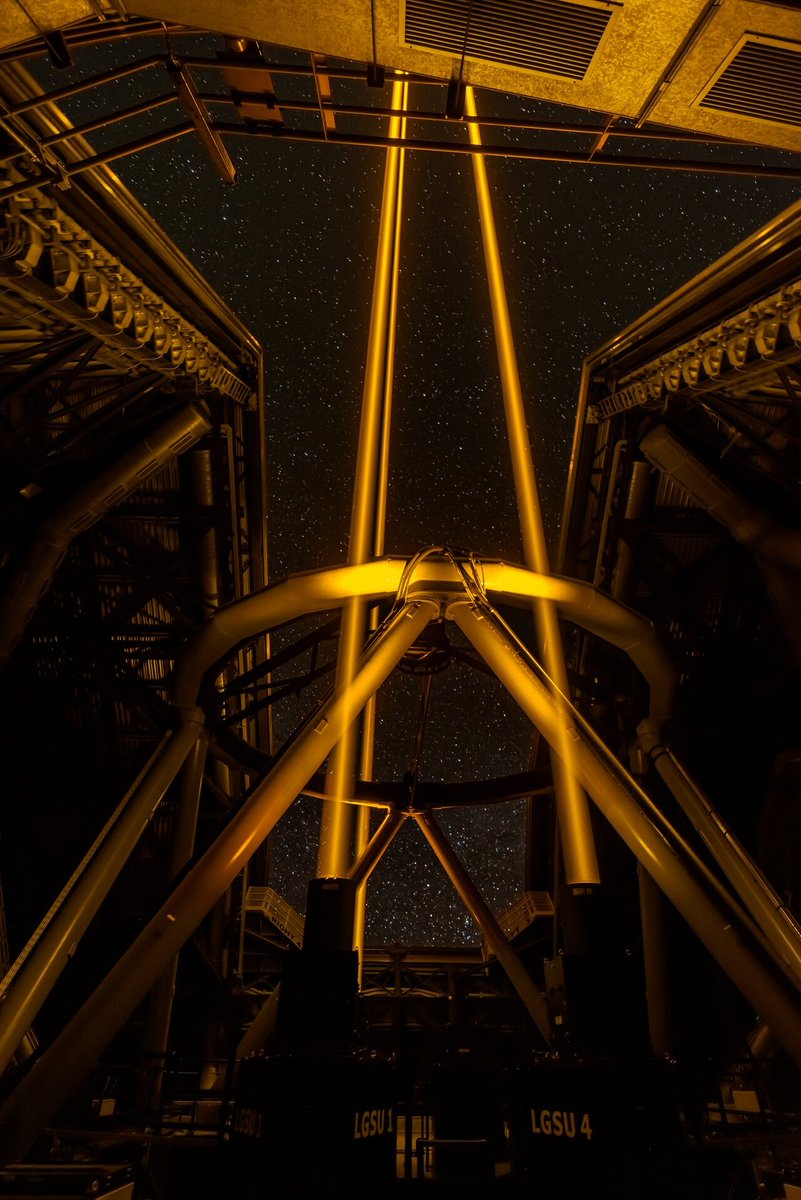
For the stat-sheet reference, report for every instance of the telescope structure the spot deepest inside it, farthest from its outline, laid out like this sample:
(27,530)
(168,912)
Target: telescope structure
(170,1025)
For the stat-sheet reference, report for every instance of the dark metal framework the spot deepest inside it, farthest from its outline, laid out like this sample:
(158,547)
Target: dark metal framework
(683,502)
(133,501)
(683,505)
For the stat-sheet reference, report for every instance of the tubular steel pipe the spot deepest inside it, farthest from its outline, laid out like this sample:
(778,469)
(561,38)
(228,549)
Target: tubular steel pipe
(757,894)
(577,445)
(55,1075)
(747,524)
(31,978)
(657,981)
(208,549)
(578,847)
(375,849)
(484,917)
(83,509)
(362,822)
(598,571)
(635,506)
(159,1012)
(337,823)
(621,801)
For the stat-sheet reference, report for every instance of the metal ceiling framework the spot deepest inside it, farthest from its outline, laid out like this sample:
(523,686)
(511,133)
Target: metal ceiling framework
(238,93)
(136,623)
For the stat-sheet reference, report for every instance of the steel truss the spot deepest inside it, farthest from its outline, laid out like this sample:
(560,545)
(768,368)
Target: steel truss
(255,107)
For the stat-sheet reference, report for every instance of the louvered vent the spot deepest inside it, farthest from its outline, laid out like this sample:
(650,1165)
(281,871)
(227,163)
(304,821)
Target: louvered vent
(553,36)
(762,79)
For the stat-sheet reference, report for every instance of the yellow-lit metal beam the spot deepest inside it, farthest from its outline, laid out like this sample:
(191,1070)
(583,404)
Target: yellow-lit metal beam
(578,848)
(374,850)
(369,499)
(198,113)
(484,917)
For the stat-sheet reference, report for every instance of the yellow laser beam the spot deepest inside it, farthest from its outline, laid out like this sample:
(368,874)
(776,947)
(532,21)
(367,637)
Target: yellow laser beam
(578,847)
(369,504)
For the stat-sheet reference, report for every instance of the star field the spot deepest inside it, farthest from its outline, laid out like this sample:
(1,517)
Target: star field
(291,248)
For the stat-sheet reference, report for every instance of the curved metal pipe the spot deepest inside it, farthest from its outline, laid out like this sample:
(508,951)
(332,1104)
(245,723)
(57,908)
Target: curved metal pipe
(83,509)
(331,587)
(749,526)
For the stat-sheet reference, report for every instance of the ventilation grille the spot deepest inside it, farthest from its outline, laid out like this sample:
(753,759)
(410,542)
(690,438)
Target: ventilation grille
(552,36)
(762,79)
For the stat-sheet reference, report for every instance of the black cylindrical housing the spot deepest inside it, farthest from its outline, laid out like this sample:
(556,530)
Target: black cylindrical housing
(330,909)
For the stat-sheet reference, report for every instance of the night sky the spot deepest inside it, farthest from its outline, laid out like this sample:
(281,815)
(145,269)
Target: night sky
(291,248)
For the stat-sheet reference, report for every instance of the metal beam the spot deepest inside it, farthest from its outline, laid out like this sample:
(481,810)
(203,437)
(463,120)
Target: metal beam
(625,806)
(31,978)
(121,114)
(64,349)
(519,124)
(688,166)
(198,114)
(375,849)
(85,85)
(367,758)
(484,917)
(430,795)
(56,1074)
(159,1013)
(756,892)
(83,509)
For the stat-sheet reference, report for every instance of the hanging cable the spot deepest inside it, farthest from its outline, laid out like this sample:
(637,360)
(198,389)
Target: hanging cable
(455,101)
(413,773)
